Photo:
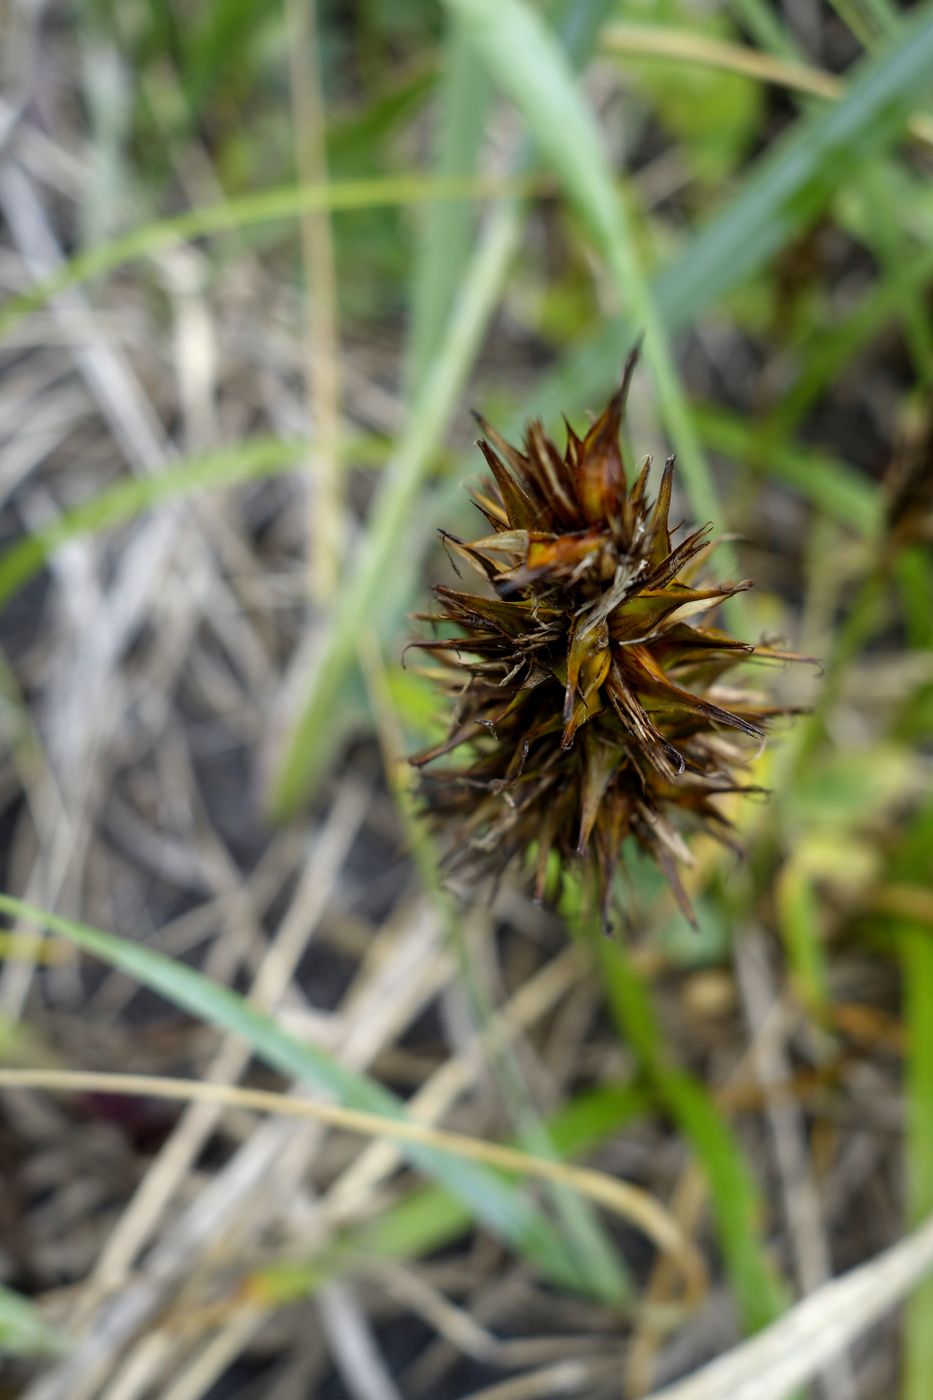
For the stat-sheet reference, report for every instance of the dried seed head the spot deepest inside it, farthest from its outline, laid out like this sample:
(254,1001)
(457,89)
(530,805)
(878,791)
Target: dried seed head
(587,708)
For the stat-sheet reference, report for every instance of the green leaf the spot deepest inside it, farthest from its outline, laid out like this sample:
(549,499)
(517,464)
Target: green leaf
(388,532)
(504,1209)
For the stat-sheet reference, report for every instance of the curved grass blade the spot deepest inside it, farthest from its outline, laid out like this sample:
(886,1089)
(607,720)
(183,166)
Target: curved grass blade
(430,1218)
(128,498)
(268,206)
(505,1210)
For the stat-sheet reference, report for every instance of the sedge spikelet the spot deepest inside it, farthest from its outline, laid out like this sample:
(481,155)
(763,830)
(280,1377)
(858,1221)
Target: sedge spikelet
(589,705)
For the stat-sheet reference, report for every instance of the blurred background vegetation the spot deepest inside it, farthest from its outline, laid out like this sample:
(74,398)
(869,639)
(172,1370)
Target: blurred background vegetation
(257,264)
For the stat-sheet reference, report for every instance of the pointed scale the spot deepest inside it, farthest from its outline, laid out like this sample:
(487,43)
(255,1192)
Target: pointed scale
(521,510)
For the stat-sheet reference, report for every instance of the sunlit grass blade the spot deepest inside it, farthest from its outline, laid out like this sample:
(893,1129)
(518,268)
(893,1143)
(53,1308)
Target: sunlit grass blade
(504,1209)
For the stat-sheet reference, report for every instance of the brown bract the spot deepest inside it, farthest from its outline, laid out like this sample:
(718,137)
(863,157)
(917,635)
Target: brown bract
(589,705)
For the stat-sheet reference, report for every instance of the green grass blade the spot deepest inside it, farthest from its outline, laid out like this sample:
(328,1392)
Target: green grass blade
(786,188)
(918,982)
(504,1209)
(445,234)
(387,535)
(217,41)
(268,206)
(128,498)
(358,136)
(914,575)
(429,1218)
(736,1202)
(529,65)
(912,865)
(765,27)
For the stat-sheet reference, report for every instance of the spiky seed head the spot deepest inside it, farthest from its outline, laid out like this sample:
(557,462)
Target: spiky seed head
(589,705)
